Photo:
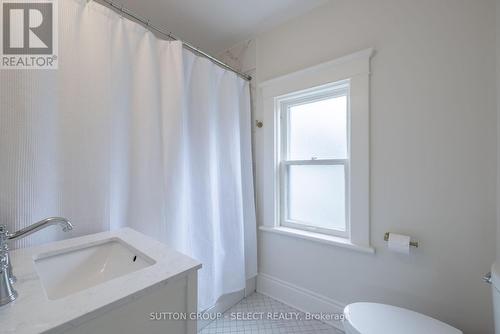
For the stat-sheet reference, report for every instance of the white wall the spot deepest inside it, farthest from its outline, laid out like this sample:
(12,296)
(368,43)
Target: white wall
(241,56)
(433,154)
(498,122)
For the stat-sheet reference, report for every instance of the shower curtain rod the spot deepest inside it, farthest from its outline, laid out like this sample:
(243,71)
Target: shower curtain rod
(147,23)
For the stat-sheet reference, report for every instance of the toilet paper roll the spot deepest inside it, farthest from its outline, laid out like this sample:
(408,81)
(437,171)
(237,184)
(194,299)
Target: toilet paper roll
(399,243)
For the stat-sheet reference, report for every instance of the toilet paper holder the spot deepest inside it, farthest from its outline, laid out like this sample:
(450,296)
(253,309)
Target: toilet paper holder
(412,243)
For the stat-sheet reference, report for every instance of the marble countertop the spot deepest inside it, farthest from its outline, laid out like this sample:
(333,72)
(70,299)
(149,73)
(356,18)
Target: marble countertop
(32,312)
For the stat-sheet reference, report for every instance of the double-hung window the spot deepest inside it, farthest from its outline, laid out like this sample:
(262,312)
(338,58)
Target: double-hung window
(314,159)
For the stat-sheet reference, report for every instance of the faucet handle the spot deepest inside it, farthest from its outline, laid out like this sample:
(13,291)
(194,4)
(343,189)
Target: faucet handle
(4,260)
(4,234)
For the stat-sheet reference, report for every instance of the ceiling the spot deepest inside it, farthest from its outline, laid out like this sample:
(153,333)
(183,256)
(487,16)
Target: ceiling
(216,25)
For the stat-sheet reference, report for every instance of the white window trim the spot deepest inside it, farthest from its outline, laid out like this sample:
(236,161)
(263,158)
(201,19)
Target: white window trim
(356,69)
(282,107)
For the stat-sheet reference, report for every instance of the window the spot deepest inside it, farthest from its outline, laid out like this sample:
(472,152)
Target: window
(313,168)
(314,161)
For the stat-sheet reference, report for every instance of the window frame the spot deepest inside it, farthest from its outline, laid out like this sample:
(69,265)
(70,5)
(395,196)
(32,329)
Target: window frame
(356,68)
(284,103)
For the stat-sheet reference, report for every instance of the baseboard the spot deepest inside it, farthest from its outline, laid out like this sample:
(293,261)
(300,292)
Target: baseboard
(302,299)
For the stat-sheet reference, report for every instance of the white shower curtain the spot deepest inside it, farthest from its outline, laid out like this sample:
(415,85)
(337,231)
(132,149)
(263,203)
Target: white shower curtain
(132,131)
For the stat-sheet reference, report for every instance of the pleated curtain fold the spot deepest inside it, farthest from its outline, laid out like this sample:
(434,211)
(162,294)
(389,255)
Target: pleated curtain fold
(132,131)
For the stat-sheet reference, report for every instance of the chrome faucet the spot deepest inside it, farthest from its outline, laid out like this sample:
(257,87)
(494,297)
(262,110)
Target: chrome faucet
(7,278)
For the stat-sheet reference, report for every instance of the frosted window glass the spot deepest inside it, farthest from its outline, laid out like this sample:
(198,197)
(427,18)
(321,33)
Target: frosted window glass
(318,130)
(316,195)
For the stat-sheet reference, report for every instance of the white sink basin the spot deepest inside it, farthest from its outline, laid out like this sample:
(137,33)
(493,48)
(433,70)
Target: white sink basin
(68,271)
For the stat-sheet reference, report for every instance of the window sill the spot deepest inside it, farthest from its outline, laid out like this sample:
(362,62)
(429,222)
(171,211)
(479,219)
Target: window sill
(316,237)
